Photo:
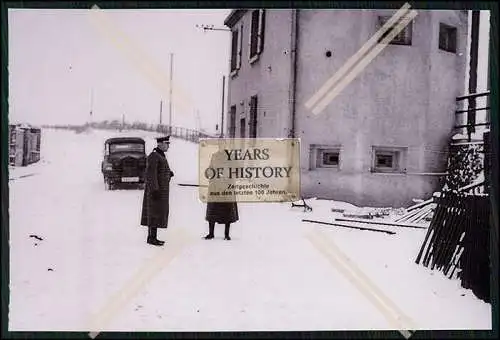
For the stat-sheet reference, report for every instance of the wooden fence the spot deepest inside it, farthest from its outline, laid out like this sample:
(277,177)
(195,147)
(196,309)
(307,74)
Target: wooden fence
(457,241)
(183,133)
(190,135)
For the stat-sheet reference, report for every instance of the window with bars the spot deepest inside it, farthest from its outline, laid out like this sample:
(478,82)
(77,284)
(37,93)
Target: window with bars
(253,117)
(257,31)
(330,158)
(402,38)
(447,38)
(388,159)
(325,156)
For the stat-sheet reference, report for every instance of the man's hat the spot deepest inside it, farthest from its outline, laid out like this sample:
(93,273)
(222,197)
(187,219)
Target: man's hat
(163,139)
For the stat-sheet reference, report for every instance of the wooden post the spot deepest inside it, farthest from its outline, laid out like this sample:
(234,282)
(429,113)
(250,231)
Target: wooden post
(161,111)
(350,226)
(451,232)
(91,105)
(170,94)
(437,224)
(474,52)
(487,161)
(358,220)
(222,106)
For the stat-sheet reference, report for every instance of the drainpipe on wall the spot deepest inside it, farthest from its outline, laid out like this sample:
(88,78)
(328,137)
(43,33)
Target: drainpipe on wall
(292,91)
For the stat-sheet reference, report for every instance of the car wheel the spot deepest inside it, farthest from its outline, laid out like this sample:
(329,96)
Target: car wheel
(108,185)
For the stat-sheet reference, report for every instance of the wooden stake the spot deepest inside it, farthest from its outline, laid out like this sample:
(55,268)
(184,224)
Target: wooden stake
(421,213)
(352,227)
(407,216)
(404,225)
(421,204)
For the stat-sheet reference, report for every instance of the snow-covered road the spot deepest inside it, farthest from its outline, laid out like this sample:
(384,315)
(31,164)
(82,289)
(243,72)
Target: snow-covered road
(269,277)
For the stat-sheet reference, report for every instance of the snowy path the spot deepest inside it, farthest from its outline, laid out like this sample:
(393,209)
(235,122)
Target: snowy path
(269,277)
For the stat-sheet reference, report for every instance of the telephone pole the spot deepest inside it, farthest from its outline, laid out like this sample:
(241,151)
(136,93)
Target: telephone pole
(222,106)
(170,95)
(91,104)
(212,28)
(161,109)
(474,56)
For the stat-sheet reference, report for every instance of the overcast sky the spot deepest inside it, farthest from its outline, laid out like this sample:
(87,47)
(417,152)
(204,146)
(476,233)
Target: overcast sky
(57,58)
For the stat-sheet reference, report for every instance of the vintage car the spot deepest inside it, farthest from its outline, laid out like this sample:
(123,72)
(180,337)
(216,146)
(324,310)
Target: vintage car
(124,161)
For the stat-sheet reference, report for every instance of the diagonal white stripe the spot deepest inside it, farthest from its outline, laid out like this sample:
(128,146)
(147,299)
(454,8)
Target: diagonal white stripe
(357,56)
(178,241)
(141,60)
(363,63)
(343,264)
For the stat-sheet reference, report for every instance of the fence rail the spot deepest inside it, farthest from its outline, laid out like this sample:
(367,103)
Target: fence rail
(190,135)
(467,105)
(183,133)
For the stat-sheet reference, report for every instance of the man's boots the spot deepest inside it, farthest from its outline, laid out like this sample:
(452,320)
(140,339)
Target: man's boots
(152,237)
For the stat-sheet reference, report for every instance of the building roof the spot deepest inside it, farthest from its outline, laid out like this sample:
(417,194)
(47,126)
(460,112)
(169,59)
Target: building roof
(22,125)
(125,140)
(233,17)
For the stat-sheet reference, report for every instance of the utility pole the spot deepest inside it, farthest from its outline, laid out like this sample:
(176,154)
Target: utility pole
(91,104)
(198,121)
(474,52)
(170,95)
(161,109)
(488,84)
(222,106)
(212,28)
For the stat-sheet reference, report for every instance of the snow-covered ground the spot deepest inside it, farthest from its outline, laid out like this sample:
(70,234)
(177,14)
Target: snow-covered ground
(268,277)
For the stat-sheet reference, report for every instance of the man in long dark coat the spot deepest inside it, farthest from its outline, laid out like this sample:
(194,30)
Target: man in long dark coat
(220,212)
(155,204)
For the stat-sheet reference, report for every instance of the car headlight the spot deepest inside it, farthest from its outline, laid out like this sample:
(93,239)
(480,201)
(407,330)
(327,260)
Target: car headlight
(108,167)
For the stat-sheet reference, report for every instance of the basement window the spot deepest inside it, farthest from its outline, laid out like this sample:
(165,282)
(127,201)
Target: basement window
(447,38)
(388,159)
(324,156)
(402,38)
